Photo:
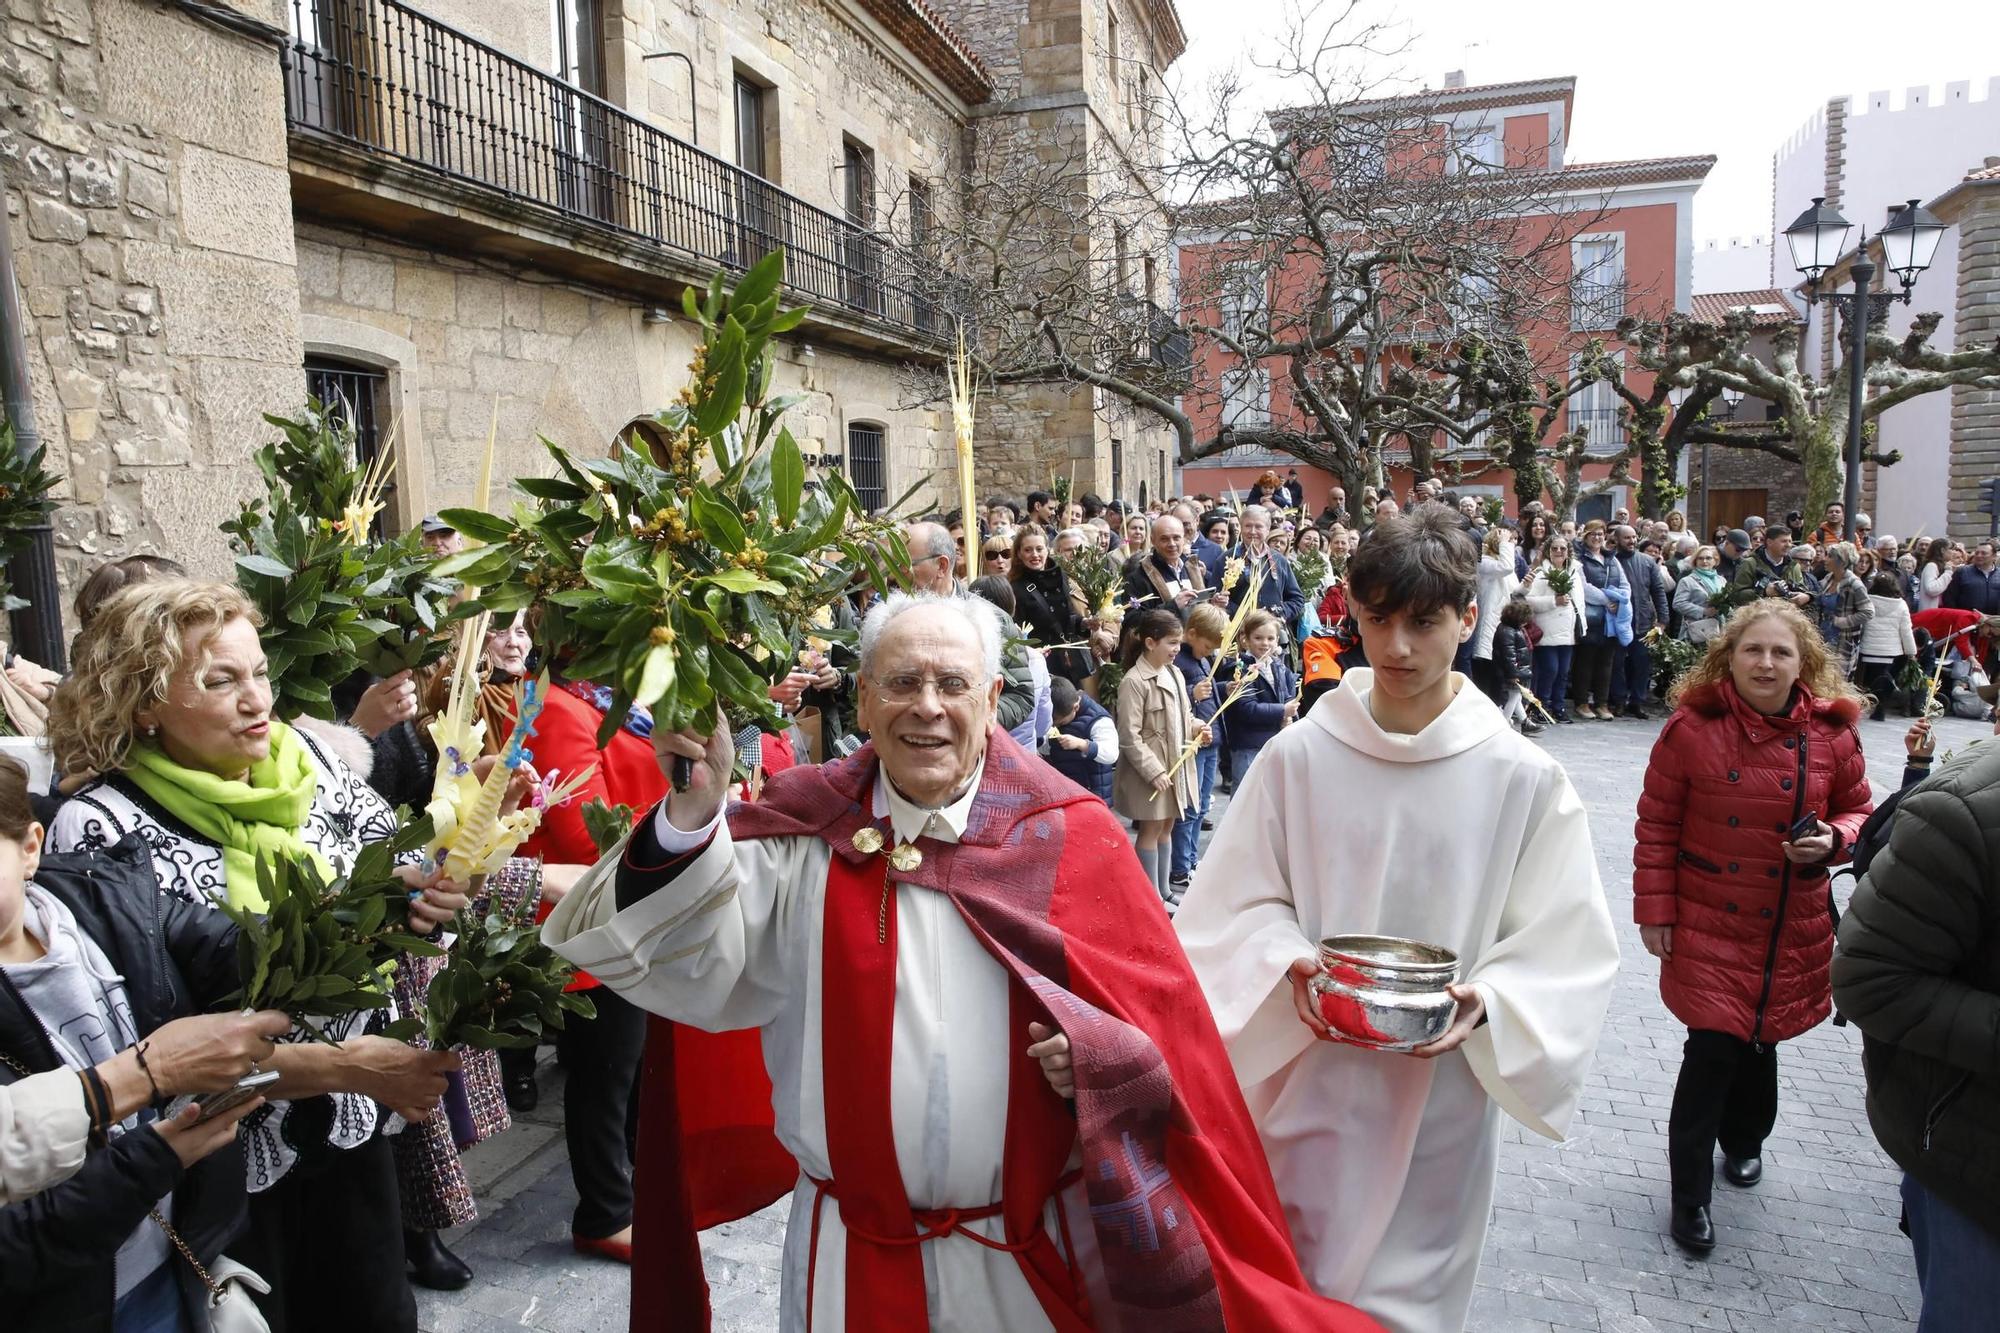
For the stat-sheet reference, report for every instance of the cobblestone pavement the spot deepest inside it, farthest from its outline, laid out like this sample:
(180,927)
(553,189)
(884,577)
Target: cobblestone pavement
(1579,1230)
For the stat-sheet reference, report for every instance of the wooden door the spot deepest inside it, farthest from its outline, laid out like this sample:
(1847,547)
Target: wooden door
(1728,508)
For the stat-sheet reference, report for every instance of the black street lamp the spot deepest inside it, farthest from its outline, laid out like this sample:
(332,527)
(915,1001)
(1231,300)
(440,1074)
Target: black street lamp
(1817,239)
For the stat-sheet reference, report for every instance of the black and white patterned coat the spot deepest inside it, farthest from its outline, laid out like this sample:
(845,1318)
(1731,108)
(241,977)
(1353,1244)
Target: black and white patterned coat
(346,815)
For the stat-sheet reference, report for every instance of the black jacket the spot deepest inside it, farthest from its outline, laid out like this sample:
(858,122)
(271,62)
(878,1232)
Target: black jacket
(57,1248)
(1042,602)
(1918,971)
(1511,654)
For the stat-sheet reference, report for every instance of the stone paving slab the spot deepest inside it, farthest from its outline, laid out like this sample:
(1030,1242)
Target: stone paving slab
(1578,1240)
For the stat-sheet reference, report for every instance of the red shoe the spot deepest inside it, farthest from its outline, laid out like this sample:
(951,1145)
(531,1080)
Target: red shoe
(617,1251)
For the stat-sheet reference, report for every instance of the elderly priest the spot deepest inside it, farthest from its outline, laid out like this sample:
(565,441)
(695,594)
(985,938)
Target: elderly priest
(910,927)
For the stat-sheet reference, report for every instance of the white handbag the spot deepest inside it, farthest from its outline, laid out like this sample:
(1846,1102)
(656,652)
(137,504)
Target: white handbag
(229,1308)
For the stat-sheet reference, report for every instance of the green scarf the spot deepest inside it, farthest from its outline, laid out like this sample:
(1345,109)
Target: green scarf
(250,820)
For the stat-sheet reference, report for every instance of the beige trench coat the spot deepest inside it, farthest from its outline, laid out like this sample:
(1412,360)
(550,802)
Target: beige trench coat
(1155,719)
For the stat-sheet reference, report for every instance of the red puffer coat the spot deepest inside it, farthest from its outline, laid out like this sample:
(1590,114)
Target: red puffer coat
(1752,937)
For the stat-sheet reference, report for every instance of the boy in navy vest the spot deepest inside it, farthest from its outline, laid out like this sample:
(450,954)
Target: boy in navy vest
(1084,745)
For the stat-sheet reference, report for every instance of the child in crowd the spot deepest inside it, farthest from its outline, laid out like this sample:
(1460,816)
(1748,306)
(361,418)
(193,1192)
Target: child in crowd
(1887,641)
(1271,696)
(1155,722)
(1515,664)
(1206,625)
(1083,743)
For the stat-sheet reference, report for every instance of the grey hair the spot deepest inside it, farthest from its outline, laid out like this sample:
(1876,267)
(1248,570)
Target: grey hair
(1259,510)
(930,541)
(1844,552)
(1080,534)
(981,615)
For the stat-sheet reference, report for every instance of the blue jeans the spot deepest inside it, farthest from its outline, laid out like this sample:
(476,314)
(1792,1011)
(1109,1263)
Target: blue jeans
(1552,677)
(154,1306)
(1958,1263)
(1187,829)
(1632,675)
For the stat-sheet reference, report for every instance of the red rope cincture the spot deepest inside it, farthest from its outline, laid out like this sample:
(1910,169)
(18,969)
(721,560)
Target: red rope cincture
(938,1223)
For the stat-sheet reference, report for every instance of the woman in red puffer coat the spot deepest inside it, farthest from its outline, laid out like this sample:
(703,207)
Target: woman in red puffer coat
(1755,788)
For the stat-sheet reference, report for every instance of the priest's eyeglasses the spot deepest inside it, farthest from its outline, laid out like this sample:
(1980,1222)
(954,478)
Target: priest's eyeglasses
(908,687)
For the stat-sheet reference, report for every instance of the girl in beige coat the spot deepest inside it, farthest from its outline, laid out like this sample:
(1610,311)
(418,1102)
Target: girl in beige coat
(1155,721)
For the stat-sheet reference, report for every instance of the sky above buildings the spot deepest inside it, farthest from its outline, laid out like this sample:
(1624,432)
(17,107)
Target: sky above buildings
(1698,76)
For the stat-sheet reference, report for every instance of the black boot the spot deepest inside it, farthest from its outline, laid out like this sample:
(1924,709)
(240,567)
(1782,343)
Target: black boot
(517,1080)
(1691,1228)
(1742,1172)
(431,1264)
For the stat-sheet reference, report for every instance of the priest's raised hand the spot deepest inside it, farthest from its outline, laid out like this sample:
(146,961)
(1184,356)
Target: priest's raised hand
(713,758)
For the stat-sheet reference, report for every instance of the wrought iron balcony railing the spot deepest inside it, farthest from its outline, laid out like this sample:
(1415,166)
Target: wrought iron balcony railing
(1605,424)
(379,75)
(1596,305)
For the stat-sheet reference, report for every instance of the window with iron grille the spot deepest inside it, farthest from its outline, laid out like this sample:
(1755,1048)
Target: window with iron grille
(1118,469)
(867,463)
(1596,407)
(352,393)
(1597,291)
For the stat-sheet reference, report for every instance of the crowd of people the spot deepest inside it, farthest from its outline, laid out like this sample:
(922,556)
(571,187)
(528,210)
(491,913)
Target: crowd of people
(923,889)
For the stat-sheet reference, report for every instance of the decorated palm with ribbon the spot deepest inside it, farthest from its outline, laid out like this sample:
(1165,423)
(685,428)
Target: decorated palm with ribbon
(473,833)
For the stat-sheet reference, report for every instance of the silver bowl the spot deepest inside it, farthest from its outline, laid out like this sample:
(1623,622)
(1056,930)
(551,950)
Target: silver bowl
(1384,992)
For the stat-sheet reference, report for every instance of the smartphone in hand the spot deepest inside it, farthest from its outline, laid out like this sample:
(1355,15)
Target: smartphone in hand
(213,1104)
(1805,828)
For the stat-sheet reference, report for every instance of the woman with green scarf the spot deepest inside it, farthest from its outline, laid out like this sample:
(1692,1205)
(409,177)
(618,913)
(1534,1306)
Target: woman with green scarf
(1699,620)
(169,705)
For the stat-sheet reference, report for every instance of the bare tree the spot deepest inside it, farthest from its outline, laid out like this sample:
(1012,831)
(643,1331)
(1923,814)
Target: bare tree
(1350,249)
(1059,247)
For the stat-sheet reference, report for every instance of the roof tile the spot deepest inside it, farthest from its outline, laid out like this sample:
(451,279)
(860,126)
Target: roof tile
(1715,307)
(921,28)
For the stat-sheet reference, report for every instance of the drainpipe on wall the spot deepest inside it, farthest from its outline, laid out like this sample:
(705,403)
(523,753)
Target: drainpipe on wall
(38,632)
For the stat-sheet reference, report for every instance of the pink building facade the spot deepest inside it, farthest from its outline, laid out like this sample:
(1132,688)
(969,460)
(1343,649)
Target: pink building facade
(1631,255)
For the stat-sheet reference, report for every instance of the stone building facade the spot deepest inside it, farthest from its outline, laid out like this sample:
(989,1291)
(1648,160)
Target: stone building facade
(1079,84)
(145,166)
(480,217)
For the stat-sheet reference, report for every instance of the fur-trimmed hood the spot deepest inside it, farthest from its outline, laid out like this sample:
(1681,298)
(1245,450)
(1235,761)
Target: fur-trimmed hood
(1721,698)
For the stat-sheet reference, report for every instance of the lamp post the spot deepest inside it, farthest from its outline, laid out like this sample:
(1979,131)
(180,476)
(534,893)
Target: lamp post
(1816,239)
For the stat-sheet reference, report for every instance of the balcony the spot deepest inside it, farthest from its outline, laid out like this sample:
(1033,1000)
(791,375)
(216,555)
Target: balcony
(1606,426)
(396,104)
(1596,305)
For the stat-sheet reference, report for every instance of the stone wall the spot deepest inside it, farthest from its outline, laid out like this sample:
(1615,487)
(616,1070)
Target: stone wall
(144,156)
(1746,469)
(1061,98)
(1975,413)
(460,340)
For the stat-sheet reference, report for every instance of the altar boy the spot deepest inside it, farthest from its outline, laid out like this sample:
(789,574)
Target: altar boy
(1404,805)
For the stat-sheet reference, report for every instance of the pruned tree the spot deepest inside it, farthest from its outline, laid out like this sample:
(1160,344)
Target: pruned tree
(1701,360)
